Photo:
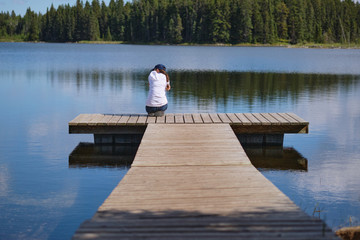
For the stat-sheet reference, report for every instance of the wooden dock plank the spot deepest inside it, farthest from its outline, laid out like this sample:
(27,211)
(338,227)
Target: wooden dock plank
(233,118)
(195,182)
(263,120)
(83,120)
(142,119)
(133,120)
(123,120)
(197,118)
(224,118)
(170,118)
(95,119)
(78,119)
(206,118)
(151,120)
(297,118)
(114,120)
(291,120)
(271,119)
(281,119)
(160,119)
(188,118)
(179,118)
(105,120)
(244,120)
(252,118)
(215,118)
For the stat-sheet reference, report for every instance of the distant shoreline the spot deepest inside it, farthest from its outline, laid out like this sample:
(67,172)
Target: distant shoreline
(285,45)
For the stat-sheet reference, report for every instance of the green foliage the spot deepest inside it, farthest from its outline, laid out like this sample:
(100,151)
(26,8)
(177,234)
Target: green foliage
(188,21)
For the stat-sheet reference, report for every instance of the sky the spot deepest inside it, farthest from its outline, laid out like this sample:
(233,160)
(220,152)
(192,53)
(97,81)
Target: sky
(20,6)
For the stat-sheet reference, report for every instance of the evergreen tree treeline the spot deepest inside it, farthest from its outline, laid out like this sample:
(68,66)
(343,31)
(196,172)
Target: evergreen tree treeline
(191,21)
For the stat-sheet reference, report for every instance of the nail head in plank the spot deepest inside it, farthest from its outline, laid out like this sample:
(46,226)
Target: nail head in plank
(197,118)
(188,118)
(224,118)
(206,118)
(233,118)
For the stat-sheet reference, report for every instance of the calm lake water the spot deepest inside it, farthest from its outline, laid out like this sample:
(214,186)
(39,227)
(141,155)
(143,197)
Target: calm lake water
(46,192)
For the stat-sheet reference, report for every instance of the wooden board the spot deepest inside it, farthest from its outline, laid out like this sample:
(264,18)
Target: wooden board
(253,119)
(206,118)
(244,120)
(188,118)
(194,181)
(278,123)
(215,118)
(197,118)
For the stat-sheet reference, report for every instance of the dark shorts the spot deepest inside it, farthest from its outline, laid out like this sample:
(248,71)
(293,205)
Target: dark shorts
(156,109)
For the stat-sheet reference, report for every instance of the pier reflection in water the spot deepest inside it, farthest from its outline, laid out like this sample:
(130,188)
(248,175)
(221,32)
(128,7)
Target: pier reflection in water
(89,155)
(276,158)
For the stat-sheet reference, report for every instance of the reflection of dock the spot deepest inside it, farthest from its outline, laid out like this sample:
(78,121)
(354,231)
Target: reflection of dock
(276,158)
(91,155)
(194,181)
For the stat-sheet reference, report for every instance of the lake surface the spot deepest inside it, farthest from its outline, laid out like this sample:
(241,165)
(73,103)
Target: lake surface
(51,181)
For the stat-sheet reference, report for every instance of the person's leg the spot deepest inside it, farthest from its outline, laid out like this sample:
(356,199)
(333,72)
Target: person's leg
(151,111)
(161,111)
(156,111)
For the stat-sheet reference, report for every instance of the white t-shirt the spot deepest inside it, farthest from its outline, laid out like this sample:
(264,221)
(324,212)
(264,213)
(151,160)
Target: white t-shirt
(157,90)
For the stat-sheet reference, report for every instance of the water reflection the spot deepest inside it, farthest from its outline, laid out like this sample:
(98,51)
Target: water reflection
(276,158)
(89,155)
(215,86)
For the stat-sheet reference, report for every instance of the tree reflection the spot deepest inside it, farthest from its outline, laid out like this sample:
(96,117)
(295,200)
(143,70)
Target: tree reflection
(216,86)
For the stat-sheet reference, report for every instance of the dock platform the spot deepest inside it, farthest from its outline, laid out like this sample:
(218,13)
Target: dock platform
(194,181)
(252,128)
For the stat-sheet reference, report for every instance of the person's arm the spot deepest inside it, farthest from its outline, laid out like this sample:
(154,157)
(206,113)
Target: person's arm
(168,87)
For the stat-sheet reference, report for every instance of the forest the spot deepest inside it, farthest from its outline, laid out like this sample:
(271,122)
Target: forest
(190,22)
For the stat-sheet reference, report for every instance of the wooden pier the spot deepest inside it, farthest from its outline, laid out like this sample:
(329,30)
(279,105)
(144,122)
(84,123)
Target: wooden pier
(194,181)
(252,128)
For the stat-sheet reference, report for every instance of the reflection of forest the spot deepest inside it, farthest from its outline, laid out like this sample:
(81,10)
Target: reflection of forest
(276,158)
(213,85)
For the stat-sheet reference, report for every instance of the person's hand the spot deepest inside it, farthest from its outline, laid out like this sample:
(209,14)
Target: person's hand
(168,87)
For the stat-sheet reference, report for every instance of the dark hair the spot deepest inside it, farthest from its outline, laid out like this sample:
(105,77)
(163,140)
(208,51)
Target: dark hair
(165,73)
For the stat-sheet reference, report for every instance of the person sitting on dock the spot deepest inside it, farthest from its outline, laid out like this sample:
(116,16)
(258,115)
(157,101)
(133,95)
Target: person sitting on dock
(159,83)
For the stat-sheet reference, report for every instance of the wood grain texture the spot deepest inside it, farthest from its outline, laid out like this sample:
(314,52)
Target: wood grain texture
(194,181)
